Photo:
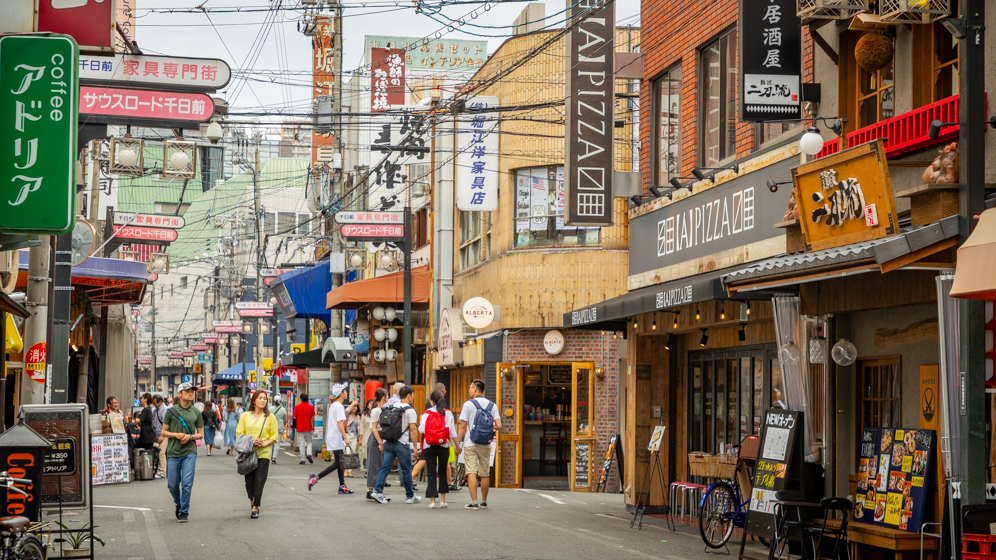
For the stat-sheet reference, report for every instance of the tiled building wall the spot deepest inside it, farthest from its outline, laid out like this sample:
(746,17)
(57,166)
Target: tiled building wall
(581,346)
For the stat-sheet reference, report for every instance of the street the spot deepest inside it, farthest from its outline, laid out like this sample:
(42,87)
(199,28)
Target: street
(136,520)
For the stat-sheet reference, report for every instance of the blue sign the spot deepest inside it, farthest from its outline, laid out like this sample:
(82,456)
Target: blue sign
(186,379)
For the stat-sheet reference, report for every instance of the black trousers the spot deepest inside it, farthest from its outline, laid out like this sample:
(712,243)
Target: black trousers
(256,480)
(436,458)
(336,465)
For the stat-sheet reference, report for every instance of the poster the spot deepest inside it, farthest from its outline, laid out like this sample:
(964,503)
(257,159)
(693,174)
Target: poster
(522,194)
(893,473)
(538,203)
(655,439)
(110,458)
(779,458)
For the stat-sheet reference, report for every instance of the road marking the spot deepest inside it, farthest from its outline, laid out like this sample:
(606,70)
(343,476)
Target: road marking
(156,540)
(551,498)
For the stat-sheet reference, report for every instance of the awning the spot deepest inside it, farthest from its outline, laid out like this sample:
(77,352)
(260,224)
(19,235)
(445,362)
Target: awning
(301,293)
(309,359)
(233,374)
(106,281)
(389,288)
(878,255)
(612,314)
(975,275)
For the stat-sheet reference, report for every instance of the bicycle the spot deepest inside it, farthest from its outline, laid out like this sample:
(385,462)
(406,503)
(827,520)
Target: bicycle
(17,533)
(723,507)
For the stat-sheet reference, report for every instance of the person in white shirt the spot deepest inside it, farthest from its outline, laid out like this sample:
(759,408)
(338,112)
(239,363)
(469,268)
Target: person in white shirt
(335,438)
(436,447)
(477,456)
(399,449)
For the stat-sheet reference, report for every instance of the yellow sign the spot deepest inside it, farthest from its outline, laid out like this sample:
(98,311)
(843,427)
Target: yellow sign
(267,364)
(297,348)
(893,508)
(846,197)
(14,343)
(252,376)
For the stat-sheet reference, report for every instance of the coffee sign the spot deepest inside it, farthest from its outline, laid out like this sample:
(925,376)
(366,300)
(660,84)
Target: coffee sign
(846,197)
(478,312)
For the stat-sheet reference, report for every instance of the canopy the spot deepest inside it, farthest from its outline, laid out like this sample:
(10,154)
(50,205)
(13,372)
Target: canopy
(106,281)
(389,288)
(309,359)
(299,292)
(975,275)
(233,374)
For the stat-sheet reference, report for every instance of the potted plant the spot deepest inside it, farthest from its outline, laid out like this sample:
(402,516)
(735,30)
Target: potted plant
(77,541)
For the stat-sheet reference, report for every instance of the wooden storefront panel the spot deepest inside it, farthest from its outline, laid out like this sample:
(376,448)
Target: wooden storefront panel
(508,460)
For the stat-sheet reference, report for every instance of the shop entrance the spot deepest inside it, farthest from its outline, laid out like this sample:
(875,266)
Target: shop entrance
(547,438)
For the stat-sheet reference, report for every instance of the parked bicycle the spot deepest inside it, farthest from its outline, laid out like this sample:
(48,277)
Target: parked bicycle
(18,540)
(723,506)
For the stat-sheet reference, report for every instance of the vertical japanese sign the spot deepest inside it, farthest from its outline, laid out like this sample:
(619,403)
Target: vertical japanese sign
(590,113)
(387,78)
(771,54)
(477,156)
(387,185)
(39,111)
(323,76)
(106,183)
(124,15)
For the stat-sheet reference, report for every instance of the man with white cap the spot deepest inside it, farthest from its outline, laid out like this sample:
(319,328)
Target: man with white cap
(335,438)
(280,413)
(183,425)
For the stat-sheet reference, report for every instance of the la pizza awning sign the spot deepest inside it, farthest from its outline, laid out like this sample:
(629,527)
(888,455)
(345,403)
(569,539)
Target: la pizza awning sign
(38,116)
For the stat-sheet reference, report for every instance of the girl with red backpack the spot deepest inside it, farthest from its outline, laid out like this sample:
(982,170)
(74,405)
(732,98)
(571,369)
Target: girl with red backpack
(438,434)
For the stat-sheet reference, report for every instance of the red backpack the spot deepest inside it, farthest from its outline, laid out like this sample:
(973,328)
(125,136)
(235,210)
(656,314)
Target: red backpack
(436,431)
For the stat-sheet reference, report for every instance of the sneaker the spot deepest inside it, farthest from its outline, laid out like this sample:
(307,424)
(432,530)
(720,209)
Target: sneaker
(273,461)
(158,475)
(379,498)
(209,453)
(177,510)
(472,505)
(444,505)
(302,462)
(254,515)
(309,459)
(432,505)
(454,488)
(345,490)
(183,518)
(370,496)
(413,500)
(484,505)
(312,480)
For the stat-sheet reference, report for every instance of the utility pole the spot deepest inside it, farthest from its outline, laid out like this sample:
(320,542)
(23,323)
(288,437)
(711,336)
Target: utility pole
(408,289)
(36,325)
(152,345)
(258,290)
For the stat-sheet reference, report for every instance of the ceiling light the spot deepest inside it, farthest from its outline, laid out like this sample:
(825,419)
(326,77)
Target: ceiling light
(675,325)
(654,326)
(722,313)
(697,314)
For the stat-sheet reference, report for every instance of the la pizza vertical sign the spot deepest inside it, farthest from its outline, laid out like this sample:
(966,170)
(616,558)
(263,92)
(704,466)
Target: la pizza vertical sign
(39,110)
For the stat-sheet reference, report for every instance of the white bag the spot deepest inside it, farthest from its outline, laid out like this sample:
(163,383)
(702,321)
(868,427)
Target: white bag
(219,440)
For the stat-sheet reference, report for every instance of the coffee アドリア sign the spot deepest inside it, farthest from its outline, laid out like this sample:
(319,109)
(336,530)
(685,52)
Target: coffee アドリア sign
(846,197)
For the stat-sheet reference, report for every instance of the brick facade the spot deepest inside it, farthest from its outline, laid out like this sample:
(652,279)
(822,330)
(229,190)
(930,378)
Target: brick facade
(581,346)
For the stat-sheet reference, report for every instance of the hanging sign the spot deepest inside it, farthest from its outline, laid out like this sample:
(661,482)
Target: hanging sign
(91,24)
(256,312)
(373,232)
(771,55)
(477,156)
(478,312)
(433,54)
(127,106)
(553,342)
(38,112)
(370,218)
(188,74)
(590,115)
(387,186)
(155,220)
(835,193)
(387,78)
(34,362)
(323,72)
(146,234)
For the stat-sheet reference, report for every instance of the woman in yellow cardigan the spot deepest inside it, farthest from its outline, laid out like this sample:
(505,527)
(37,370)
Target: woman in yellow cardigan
(258,423)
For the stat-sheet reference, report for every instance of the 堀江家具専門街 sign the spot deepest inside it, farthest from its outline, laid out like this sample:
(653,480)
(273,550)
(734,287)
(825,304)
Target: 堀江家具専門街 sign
(167,72)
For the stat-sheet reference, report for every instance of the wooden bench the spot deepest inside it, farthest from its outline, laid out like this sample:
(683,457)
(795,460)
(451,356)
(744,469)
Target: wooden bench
(861,535)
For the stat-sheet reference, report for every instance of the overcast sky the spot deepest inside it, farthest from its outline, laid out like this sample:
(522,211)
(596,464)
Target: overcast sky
(234,37)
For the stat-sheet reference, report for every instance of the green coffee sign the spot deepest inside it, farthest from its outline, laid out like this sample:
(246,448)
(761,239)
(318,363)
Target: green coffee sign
(39,110)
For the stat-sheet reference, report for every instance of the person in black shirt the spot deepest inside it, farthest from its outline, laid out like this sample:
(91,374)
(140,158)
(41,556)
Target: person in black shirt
(147,429)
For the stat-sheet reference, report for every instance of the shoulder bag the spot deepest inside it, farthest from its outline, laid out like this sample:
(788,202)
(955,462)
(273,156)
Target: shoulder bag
(247,461)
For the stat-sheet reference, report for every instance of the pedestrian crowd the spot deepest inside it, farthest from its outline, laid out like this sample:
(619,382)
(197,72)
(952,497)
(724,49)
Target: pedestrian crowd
(388,427)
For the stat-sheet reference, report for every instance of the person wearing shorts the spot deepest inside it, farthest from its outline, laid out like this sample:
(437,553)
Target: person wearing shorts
(477,457)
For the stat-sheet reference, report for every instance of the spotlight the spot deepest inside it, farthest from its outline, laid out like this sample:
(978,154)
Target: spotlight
(705,338)
(636,200)
(654,326)
(697,314)
(698,174)
(742,333)
(772,186)
(656,191)
(935,128)
(676,183)
(668,341)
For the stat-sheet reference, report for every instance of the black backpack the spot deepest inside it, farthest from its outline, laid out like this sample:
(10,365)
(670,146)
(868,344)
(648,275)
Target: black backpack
(392,423)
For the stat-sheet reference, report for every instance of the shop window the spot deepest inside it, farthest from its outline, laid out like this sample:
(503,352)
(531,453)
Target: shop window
(667,126)
(303,224)
(935,64)
(719,101)
(539,211)
(420,228)
(475,238)
(269,223)
(772,132)
(881,392)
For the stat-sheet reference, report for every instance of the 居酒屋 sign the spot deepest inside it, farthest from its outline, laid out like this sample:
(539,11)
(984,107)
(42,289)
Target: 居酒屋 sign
(771,55)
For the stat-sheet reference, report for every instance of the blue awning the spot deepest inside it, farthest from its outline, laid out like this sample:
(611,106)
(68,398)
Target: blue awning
(233,374)
(301,293)
(106,281)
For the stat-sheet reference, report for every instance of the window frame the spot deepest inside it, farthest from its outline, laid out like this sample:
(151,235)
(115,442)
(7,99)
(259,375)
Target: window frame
(926,68)
(549,241)
(894,362)
(724,107)
(658,169)
(479,241)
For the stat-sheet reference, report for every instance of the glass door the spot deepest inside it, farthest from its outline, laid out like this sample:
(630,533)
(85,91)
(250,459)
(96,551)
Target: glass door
(508,453)
(582,427)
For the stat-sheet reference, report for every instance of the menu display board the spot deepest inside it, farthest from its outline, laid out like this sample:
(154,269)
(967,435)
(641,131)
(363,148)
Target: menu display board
(893,475)
(582,452)
(778,458)
(67,427)
(110,458)
(559,374)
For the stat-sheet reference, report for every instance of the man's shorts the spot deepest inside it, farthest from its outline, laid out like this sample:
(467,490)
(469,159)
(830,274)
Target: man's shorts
(477,460)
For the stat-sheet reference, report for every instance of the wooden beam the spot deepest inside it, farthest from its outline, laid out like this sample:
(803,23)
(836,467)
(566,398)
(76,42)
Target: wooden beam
(910,258)
(921,330)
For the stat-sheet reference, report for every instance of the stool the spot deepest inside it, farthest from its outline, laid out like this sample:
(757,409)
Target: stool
(674,490)
(694,492)
(553,433)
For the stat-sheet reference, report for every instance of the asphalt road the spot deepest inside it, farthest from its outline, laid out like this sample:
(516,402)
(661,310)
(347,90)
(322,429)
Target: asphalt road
(137,522)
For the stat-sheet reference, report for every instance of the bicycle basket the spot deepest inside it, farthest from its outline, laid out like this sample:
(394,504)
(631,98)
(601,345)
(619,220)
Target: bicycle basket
(712,466)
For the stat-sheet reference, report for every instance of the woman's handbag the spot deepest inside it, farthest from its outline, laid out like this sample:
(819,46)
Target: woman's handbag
(246,459)
(350,460)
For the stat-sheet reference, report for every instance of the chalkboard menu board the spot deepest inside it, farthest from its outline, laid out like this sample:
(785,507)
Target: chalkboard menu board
(779,458)
(559,374)
(893,475)
(582,462)
(66,462)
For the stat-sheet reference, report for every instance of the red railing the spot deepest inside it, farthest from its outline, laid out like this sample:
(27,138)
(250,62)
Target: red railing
(829,147)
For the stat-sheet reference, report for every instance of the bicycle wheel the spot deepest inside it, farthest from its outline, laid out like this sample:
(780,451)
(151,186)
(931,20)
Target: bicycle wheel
(715,523)
(30,548)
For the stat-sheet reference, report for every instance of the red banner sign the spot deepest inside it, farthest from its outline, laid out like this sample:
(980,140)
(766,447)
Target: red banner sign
(145,233)
(256,312)
(90,23)
(228,329)
(34,362)
(189,354)
(199,347)
(117,102)
(387,81)
(373,230)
